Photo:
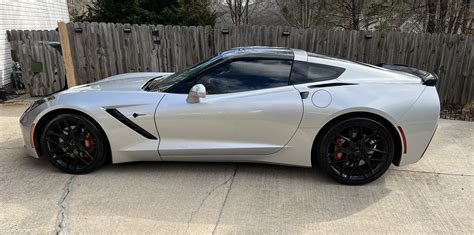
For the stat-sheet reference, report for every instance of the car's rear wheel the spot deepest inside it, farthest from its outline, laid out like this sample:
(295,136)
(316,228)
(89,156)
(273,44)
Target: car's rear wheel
(73,144)
(356,151)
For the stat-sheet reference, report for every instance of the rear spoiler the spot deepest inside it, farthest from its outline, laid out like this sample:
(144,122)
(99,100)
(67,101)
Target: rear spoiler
(428,79)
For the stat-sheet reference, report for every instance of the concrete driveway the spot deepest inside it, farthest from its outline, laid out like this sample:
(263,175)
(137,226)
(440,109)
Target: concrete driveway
(432,196)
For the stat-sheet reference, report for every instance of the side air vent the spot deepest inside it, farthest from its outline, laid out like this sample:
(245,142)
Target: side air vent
(119,116)
(332,84)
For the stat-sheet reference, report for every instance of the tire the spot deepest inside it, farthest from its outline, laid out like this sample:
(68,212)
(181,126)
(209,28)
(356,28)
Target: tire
(73,144)
(356,151)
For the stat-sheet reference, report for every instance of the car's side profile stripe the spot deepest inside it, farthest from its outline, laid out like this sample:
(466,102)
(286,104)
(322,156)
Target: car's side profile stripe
(332,84)
(119,116)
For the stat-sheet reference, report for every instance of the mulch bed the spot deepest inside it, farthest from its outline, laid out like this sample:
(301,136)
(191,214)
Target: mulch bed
(455,112)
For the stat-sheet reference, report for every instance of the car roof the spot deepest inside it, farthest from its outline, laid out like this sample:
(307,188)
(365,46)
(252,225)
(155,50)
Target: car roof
(259,52)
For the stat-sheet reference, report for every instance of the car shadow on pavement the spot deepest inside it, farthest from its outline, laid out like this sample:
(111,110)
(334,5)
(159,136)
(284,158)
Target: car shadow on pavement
(275,193)
(185,194)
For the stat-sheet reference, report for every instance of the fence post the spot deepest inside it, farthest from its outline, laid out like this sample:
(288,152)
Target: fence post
(67,55)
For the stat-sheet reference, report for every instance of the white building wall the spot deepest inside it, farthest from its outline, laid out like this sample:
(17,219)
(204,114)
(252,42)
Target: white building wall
(26,15)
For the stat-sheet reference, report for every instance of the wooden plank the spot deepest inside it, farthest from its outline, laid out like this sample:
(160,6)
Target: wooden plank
(67,55)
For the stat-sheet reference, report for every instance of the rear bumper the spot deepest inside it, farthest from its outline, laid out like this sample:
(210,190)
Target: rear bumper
(419,125)
(423,154)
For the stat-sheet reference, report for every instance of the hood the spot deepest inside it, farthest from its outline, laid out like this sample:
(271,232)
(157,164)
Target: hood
(121,82)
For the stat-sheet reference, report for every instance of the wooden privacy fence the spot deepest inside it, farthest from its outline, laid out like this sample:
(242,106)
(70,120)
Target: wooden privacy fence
(99,50)
(42,65)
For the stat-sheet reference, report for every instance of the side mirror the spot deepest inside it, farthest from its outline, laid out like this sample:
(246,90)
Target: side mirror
(197,92)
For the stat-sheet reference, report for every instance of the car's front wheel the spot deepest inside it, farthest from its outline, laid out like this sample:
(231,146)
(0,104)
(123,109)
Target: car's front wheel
(356,151)
(73,144)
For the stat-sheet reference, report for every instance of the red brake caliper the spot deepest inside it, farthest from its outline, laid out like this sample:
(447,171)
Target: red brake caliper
(339,143)
(88,142)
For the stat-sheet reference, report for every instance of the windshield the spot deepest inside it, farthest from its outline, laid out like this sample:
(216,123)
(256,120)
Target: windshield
(167,82)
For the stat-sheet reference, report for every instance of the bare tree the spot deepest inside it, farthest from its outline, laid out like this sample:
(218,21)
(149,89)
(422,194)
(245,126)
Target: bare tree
(386,16)
(433,16)
(431,11)
(448,16)
(239,11)
(355,8)
(443,13)
(301,13)
(345,14)
(467,20)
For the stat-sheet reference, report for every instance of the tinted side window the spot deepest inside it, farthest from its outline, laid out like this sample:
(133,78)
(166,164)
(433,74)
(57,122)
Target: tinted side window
(309,72)
(247,75)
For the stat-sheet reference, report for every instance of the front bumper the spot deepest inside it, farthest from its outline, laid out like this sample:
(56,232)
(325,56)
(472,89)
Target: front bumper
(25,131)
(27,126)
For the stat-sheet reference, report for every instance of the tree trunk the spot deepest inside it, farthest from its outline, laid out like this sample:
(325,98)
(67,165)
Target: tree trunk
(461,19)
(307,13)
(357,6)
(431,25)
(467,21)
(239,11)
(443,11)
(246,12)
(301,6)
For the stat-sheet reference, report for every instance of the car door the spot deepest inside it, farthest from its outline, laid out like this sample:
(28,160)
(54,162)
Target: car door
(249,110)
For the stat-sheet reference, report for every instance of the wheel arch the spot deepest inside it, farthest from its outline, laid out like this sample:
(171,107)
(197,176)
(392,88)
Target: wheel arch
(41,123)
(392,128)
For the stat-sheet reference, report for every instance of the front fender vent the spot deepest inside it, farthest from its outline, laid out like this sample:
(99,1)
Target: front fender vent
(119,116)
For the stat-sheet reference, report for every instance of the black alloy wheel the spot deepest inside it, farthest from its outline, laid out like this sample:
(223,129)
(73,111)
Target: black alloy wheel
(356,151)
(73,144)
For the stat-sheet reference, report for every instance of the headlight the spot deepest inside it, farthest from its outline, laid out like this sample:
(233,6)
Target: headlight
(40,102)
(23,118)
(35,104)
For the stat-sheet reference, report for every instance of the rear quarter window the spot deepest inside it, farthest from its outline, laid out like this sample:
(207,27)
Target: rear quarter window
(304,72)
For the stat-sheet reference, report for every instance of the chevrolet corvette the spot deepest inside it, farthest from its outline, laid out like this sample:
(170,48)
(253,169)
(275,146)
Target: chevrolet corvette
(251,104)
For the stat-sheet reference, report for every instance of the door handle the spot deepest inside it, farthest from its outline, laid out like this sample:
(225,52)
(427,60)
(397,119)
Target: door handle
(135,115)
(304,94)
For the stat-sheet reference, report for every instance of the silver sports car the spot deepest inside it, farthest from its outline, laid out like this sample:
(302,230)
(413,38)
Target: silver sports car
(253,104)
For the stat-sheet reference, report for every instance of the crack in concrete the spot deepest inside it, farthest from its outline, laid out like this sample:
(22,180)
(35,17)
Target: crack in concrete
(193,213)
(433,173)
(61,227)
(225,199)
(19,147)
